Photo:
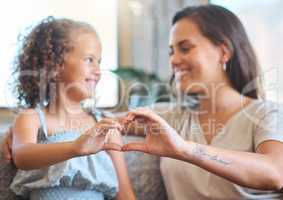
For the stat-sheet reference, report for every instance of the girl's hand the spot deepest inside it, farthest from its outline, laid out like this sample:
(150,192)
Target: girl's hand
(7,145)
(161,139)
(100,137)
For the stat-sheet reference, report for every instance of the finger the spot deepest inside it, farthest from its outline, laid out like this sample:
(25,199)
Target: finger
(7,152)
(106,126)
(106,130)
(145,115)
(135,146)
(129,117)
(120,119)
(9,141)
(112,146)
(101,129)
(111,121)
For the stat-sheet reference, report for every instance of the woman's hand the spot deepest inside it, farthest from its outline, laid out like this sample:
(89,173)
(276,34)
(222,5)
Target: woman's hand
(103,136)
(7,145)
(161,139)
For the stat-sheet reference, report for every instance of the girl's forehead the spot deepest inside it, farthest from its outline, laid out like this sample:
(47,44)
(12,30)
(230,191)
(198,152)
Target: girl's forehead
(83,39)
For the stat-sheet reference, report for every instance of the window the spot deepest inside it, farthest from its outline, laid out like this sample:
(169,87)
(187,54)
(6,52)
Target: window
(263,21)
(16,16)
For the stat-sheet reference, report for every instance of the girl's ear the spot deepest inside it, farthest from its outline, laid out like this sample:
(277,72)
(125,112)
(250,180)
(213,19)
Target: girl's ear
(57,74)
(226,53)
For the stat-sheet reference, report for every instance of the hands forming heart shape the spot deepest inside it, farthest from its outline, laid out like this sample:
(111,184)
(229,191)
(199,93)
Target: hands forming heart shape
(160,138)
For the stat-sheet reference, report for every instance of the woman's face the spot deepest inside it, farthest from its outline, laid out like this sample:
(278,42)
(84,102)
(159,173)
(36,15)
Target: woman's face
(81,66)
(196,62)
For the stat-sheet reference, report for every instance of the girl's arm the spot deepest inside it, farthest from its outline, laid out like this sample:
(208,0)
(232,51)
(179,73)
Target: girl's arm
(27,154)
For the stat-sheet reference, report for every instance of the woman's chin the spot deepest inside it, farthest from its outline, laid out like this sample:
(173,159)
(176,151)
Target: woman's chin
(188,89)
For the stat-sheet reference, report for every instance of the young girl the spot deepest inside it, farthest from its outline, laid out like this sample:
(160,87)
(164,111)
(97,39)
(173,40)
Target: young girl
(57,147)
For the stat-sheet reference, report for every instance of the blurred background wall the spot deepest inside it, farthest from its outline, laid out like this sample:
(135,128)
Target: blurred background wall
(143,29)
(135,38)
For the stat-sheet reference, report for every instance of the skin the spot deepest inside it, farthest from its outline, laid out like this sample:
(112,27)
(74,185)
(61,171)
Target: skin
(195,59)
(80,75)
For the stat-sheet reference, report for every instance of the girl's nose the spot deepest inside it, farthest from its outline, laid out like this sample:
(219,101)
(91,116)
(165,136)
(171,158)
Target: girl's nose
(97,73)
(95,70)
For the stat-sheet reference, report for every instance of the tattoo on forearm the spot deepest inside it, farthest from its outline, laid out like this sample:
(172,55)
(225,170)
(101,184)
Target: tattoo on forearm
(201,154)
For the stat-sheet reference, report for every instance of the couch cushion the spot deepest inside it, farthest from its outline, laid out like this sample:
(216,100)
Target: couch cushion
(7,172)
(144,172)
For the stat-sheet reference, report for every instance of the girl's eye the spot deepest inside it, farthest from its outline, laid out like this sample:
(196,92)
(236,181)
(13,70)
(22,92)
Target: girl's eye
(89,60)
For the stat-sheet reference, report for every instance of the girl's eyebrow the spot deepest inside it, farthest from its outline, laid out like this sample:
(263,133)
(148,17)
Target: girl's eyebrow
(94,56)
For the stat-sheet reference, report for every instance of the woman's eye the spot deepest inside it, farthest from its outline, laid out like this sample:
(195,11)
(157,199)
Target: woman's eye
(185,50)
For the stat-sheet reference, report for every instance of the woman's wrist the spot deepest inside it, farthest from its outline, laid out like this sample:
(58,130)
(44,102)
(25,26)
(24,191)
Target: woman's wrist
(185,151)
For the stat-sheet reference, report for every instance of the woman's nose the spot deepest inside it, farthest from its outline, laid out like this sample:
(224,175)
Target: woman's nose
(175,60)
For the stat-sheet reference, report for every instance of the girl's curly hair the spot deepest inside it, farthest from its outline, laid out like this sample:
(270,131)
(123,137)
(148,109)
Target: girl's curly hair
(41,58)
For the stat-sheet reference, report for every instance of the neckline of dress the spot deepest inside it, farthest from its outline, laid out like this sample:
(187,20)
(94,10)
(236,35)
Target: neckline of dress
(195,120)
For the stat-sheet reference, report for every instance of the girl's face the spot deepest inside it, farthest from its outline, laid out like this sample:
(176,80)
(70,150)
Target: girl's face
(81,66)
(196,62)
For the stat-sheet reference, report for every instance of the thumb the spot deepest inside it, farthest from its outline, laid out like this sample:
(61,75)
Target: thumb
(135,146)
(7,152)
(112,146)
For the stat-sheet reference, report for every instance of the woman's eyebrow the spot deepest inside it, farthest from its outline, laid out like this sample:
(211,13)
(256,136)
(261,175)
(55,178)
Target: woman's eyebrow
(185,41)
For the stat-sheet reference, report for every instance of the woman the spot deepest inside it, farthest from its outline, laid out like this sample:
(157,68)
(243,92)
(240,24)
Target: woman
(230,147)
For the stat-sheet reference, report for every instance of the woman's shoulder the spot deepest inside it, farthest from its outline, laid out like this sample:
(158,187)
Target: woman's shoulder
(263,107)
(263,113)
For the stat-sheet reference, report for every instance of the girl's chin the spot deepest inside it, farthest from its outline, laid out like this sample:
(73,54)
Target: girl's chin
(79,96)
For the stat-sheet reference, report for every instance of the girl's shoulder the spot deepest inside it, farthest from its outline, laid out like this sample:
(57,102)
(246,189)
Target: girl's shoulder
(29,114)
(26,124)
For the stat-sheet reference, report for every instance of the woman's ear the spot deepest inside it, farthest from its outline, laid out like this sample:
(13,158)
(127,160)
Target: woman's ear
(226,53)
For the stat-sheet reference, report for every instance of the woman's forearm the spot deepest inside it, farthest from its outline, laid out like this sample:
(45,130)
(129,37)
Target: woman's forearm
(251,170)
(34,156)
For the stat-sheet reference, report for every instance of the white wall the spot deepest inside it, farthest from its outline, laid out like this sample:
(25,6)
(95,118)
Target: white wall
(144,32)
(16,16)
